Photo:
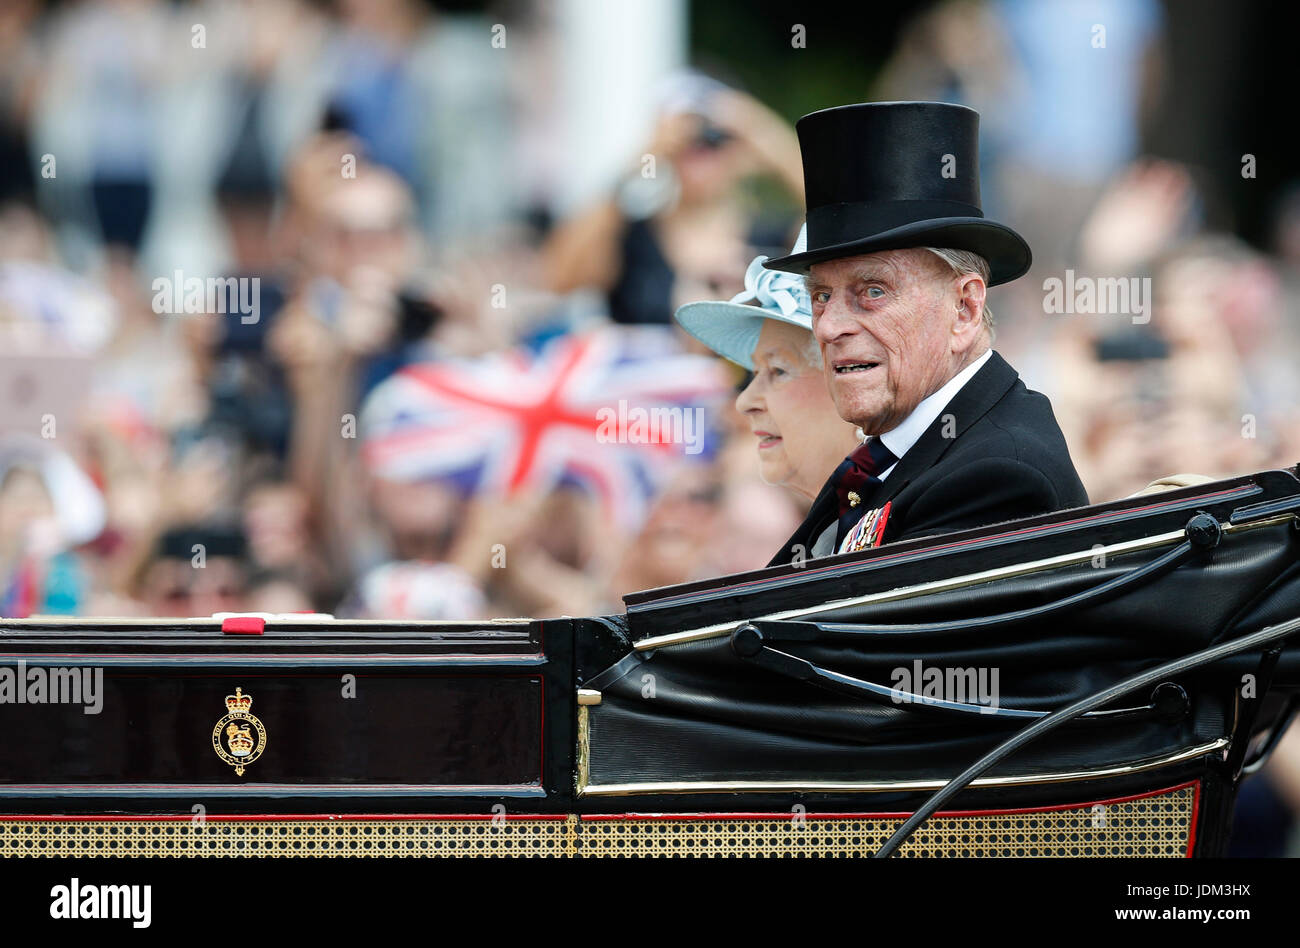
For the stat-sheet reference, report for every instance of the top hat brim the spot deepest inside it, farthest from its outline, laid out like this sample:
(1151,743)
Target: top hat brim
(1007,253)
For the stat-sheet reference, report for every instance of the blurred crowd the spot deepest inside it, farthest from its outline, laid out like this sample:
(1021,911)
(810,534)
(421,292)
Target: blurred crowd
(381,171)
(388,177)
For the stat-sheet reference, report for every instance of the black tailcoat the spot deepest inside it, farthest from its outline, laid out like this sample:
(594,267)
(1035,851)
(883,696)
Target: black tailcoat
(1005,458)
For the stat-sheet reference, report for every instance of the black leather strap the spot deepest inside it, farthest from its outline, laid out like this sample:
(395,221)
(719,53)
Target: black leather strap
(1180,666)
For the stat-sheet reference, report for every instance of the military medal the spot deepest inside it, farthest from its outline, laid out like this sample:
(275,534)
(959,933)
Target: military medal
(233,738)
(867,532)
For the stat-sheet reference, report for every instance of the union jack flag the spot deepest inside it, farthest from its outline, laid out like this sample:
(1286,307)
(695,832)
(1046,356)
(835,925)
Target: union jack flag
(580,411)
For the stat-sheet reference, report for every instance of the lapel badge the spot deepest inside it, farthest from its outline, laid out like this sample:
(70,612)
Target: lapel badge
(854,498)
(233,737)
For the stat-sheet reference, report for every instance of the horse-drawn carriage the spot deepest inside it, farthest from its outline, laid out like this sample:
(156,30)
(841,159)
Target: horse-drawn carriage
(1092,682)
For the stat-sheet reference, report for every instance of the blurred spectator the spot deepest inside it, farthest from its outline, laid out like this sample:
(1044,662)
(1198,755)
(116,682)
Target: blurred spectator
(107,64)
(1061,89)
(18,69)
(417,590)
(1188,386)
(674,545)
(277,593)
(44,306)
(48,508)
(676,229)
(426,98)
(195,570)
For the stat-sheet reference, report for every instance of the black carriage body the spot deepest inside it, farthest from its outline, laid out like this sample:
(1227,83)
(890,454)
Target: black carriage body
(781,711)
(359,717)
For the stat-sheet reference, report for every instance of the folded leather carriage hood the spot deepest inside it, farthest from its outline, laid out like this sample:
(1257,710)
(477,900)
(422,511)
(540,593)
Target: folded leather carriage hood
(908,662)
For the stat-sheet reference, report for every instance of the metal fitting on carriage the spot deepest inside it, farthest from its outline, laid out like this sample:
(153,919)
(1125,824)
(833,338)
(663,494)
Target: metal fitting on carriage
(747,640)
(1203,531)
(1170,701)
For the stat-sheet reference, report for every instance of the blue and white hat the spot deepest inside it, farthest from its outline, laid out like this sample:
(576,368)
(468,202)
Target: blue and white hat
(730,328)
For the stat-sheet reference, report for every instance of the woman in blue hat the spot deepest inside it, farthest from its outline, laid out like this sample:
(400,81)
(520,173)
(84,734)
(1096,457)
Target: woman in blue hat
(767,329)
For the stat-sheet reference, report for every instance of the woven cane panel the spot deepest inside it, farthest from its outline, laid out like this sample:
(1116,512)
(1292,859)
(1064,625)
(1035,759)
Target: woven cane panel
(1158,825)
(1150,826)
(271,837)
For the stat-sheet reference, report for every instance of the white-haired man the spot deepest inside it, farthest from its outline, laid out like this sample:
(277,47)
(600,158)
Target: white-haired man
(899,260)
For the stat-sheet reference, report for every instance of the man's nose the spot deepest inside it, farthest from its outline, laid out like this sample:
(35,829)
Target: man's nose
(834,321)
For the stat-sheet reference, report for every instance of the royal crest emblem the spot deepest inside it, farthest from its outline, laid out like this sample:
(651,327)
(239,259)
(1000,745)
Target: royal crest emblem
(233,738)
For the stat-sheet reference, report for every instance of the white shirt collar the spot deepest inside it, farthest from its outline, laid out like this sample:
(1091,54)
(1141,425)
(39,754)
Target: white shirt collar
(901,438)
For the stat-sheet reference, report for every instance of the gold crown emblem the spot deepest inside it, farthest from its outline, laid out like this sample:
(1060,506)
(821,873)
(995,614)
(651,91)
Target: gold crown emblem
(239,739)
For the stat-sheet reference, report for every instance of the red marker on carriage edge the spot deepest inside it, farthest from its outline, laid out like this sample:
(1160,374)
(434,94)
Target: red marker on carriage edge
(254,623)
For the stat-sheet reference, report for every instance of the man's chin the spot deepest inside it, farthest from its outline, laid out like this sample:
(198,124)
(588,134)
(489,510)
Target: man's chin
(869,418)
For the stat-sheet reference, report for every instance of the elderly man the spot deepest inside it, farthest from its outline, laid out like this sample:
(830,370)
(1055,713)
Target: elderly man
(899,258)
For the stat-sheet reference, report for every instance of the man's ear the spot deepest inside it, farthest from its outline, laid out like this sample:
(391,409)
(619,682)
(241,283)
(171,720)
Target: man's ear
(969,324)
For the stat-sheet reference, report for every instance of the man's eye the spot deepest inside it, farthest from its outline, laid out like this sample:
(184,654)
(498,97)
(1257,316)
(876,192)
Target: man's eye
(875,292)
(821,296)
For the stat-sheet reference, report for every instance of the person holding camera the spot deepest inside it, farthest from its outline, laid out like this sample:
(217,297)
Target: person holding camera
(676,227)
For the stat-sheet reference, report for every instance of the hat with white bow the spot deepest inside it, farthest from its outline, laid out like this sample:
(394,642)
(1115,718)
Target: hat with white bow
(731,327)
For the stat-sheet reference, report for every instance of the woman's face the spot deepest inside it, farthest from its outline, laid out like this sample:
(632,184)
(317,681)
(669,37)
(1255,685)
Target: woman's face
(800,436)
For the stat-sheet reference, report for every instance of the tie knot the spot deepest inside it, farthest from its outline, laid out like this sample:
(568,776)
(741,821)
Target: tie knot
(873,457)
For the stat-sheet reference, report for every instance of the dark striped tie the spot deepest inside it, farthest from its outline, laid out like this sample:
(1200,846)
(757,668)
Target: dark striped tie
(854,477)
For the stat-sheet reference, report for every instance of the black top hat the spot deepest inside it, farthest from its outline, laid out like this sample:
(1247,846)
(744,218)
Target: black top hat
(892,175)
